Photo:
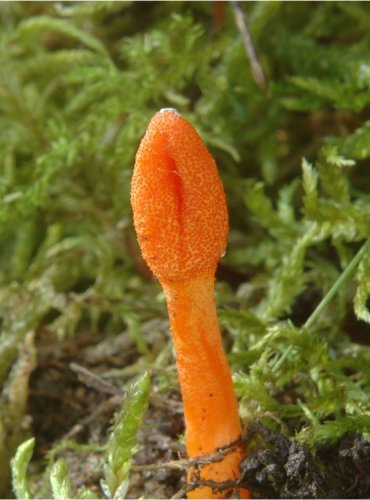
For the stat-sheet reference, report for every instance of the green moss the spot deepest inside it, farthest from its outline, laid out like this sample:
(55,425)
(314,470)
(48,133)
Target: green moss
(78,85)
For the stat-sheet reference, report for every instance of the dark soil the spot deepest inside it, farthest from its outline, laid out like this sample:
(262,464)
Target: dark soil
(71,398)
(288,469)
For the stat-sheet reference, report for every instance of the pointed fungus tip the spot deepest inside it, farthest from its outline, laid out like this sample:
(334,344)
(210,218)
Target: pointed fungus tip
(178,200)
(171,110)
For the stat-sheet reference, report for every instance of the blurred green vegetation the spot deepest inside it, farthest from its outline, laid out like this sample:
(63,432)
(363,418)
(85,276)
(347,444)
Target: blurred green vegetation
(78,85)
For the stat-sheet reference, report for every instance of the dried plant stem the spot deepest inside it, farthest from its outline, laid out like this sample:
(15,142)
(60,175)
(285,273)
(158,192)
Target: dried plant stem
(349,270)
(91,379)
(185,463)
(171,465)
(242,24)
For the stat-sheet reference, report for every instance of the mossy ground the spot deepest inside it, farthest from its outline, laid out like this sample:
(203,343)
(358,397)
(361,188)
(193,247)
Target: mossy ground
(69,403)
(80,316)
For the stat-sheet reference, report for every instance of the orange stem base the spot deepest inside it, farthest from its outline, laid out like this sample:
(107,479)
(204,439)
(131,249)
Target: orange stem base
(210,405)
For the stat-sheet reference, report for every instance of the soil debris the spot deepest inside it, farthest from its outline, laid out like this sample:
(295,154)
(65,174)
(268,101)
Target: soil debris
(282,468)
(71,399)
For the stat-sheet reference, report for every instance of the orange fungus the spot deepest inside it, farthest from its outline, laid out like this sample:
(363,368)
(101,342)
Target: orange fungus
(181,221)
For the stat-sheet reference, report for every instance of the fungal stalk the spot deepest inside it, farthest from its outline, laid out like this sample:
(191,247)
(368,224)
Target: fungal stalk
(181,221)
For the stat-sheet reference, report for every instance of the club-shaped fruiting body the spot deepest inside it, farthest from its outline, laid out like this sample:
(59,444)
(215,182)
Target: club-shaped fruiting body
(181,221)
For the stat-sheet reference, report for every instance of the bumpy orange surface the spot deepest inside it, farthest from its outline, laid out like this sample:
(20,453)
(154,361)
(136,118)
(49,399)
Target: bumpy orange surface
(181,220)
(178,200)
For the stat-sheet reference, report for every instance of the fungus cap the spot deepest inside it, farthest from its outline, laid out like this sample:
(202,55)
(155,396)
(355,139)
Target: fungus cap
(178,201)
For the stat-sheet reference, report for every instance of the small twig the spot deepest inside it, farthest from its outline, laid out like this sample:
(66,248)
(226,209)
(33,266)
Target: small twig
(242,24)
(93,380)
(171,465)
(217,456)
(180,494)
(108,405)
(197,462)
